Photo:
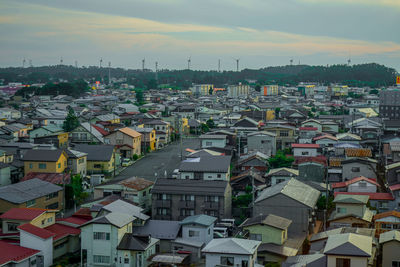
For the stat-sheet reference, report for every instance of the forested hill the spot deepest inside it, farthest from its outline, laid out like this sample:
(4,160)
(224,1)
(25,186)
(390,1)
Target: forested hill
(373,75)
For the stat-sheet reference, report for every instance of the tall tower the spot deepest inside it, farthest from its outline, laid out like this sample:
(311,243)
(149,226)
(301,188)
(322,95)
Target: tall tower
(109,72)
(143,63)
(189,62)
(219,65)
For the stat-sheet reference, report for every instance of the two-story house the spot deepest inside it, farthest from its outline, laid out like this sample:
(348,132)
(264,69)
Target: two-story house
(278,175)
(33,193)
(213,140)
(149,141)
(285,135)
(45,160)
(231,252)
(262,141)
(135,250)
(390,243)
(77,162)
(206,168)
(100,158)
(127,141)
(305,150)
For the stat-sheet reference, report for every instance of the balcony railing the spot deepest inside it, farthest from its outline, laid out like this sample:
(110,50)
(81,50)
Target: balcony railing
(162,203)
(186,204)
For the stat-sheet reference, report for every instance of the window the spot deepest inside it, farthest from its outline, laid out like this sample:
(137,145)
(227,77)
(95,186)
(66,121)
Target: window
(82,160)
(355,169)
(395,263)
(12,227)
(144,193)
(97,166)
(340,262)
(284,133)
(33,262)
(52,195)
(101,259)
(43,222)
(30,203)
(211,198)
(304,153)
(101,236)
(187,212)
(126,260)
(30,166)
(187,197)
(257,237)
(208,143)
(42,165)
(245,263)
(59,165)
(341,210)
(119,141)
(227,261)
(163,211)
(52,206)
(362,184)
(193,233)
(50,219)
(218,175)
(163,197)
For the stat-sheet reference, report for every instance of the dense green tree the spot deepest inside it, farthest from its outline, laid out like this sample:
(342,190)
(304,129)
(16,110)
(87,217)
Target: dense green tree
(71,121)
(374,92)
(258,88)
(280,160)
(139,96)
(210,123)
(210,91)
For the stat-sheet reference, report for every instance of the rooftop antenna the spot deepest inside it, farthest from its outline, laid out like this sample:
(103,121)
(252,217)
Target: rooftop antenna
(143,62)
(291,62)
(101,62)
(109,72)
(349,60)
(23,63)
(237,63)
(219,65)
(189,62)
(61,61)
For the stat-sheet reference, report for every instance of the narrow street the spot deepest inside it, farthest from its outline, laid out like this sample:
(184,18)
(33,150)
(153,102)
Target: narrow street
(155,164)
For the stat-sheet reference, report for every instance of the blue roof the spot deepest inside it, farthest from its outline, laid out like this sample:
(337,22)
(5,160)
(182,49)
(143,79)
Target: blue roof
(201,219)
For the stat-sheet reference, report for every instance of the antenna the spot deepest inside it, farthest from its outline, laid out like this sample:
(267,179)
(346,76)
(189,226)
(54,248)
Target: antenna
(61,61)
(291,62)
(109,72)
(101,62)
(219,65)
(156,71)
(189,62)
(349,60)
(23,63)
(237,63)
(143,62)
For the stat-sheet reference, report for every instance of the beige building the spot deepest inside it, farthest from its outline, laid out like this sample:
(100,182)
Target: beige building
(390,243)
(77,162)
(127,140)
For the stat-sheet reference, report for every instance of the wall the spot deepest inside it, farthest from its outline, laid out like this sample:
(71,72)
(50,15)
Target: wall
(357,188)
(352,209)
(365,170)
(5,175)
(262,143)
(51,167)
(40,203)
(390,252)
(214,143)
(45,246)
(213,260)
(354,261)
(205,233)
(269,234)
(44,217)
(311,152)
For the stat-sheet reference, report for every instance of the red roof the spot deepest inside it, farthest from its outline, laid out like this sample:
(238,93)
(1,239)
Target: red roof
(305,146)
(308,128)
(54,178)
(60,230)
(318,159)
(325,136)
(36,231)
(354,180)
(24,214)
(100,130)
(83,213)
(395,187)
(13,253)
(372,196)
(77,220)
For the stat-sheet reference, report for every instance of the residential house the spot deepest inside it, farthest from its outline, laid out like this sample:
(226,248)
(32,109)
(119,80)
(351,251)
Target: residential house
(59,140)
(395,191)
(100,158)
(311,170)
(245,125)
(18,256)
(197,231)
(175,199)
(262,141)
(127,141)
(306,134)
(348,250)
(135,250)
(311,123)
(325,140)
(163,130)
(292,200)
(206,168)
(5,174)
(45,160)
(240,183)
(393,173)
(271,230)
(135,189)
(390,243)
(231,252)
(357,184)
(45,131)
(255,160)
(356,167)
(331,127)
(386,221)
(149,141)
(285,135)
(77,162)
(33,193)
(305,150)
(380,201)
(351,211)
(279,175)
(348,138)
(88,133)
(211,140)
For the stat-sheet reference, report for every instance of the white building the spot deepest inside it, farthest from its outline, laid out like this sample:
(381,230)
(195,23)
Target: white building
(238,90)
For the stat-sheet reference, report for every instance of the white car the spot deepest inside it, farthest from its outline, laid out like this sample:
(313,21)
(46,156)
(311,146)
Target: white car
(126,162)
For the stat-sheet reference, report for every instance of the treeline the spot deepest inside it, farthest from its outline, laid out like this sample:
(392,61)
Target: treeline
(74,89)
(372,75)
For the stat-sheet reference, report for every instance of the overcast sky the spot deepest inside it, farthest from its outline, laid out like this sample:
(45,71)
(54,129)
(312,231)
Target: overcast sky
(259,32)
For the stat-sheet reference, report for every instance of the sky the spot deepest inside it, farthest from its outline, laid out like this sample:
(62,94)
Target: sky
(258,32)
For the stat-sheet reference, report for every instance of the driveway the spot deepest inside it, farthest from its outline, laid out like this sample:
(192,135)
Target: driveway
(155,164)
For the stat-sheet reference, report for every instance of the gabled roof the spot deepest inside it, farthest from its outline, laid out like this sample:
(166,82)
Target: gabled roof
(136,183)
(355,180)
(246,122)
(235,246)
(358,152)
(23,214)
(114,218)
(121,206)
(349,245)
(350,198)
(14,254)
(160,229)
(348,137)
(130,132)
(283,172)
(270,220)
(201,219)
(372,196)
(389,236)
(61,231)
(387,214)
(305,146)
(36,231)
(206,164)
(135,242)
(326,136)
(96,152)
(51,155)
(54,178)
(293,189)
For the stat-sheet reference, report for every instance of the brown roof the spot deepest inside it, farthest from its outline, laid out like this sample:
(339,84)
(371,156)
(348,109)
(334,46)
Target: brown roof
(137,183)
(335,162)
(387,214)
(54,178)
(130,132)
(358,152)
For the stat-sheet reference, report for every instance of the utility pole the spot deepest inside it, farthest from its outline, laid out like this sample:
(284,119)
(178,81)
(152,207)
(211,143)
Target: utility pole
(115,162)
(253,190)
(143,62)
(219,65)
(180,134)
(157,72)
(109,72)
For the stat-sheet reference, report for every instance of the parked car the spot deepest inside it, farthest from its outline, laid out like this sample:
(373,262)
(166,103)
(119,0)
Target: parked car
(175,173)
(126,162)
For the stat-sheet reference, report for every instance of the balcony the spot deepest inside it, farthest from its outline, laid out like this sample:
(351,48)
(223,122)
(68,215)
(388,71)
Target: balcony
(162,217)
(211,205)
(162,203)
(189,204)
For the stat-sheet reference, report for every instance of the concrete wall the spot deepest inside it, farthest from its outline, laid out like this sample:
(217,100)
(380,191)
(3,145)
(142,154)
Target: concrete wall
(205,233)
(365,170)
(390,252)
(305,152)
(44,245)
(262,143)
(214,143)
(354,261)
(213,260)
(357,188)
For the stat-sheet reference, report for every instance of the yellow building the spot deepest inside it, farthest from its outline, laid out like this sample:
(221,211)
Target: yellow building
(62,139)
(100,158)
(48,161)
(149,139)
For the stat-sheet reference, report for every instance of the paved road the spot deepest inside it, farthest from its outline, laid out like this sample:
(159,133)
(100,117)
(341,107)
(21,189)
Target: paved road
(156,163)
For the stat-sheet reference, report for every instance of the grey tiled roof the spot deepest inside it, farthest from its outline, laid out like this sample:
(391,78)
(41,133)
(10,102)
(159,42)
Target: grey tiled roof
(270,219)
(42,155)
(200,219)
(96,152)
(194,187)
(206,164)
(24,191)
(160,229)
